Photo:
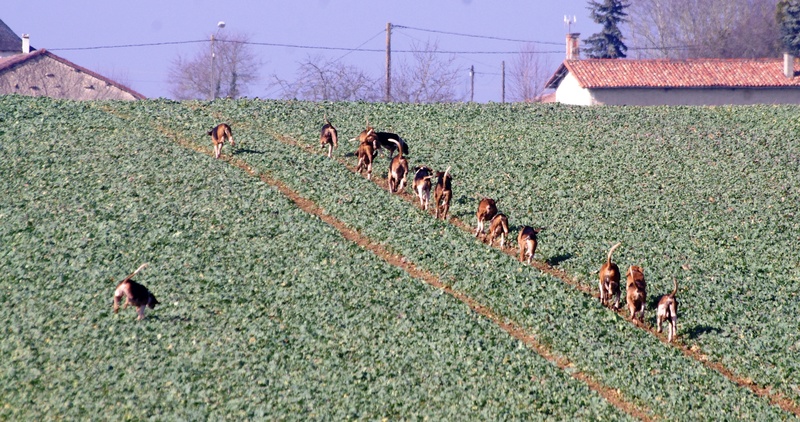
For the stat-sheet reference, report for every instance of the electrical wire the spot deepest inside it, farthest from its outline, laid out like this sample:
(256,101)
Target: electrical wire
(363,50)
(474,36)
(360,45)
(99,47)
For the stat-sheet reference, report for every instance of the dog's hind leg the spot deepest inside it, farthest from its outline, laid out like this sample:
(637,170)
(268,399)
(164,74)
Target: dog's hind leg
(601,286)
(673,328)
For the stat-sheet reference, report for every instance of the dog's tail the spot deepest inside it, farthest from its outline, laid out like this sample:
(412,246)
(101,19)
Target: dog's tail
(675,285)
(141,267)
(228,132)
(611,251)
(401,143)
(399,148)
(445,172)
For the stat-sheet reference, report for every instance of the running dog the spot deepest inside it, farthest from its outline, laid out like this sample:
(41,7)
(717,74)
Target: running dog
(422,185)
(328,136)
(498,227)
(609,280)
(391,142)
(135,295)
(636,294)
(365,152)
(398,172)
(487,208)
(443,193)
(220,134)
(667,310)
(527,242)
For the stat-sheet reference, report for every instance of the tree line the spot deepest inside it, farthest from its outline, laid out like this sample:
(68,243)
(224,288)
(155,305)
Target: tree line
(677,29)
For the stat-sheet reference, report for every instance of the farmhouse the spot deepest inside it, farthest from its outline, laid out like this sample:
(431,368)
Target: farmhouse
(675,82)
(26,71)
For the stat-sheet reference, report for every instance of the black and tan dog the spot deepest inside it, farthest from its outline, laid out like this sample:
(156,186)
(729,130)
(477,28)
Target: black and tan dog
(636,294)
(422,185)
(328,136)
(527,241)
(135,294)
(219,134)
(391,142)
(443,193)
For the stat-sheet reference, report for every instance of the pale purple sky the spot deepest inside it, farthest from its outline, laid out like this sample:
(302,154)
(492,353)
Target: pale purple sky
(59,25)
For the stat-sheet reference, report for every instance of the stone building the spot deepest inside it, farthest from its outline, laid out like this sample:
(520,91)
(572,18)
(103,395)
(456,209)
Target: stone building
(26,71)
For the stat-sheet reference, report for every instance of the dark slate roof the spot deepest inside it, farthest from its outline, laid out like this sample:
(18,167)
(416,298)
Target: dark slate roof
(9,41)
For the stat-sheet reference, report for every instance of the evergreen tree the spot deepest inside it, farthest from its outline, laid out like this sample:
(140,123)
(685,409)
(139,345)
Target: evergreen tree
(788,17)
(607,44)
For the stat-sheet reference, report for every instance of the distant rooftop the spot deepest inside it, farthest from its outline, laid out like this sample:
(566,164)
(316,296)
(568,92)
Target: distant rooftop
(666,73)
(9,41)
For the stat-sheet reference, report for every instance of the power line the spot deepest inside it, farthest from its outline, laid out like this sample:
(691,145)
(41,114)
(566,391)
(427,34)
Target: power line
(99,47)
(475,36)
(360,45)
(376,50)
(357,49)
(462,58)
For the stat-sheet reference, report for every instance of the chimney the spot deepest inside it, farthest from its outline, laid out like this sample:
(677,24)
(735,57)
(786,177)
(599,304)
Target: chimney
(788,65)
(26,44)
(573,46)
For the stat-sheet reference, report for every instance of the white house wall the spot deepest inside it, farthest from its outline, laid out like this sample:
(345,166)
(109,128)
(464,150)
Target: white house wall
(569,91)
(698,96)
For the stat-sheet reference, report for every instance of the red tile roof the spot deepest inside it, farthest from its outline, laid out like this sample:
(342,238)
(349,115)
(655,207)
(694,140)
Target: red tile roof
(665,73)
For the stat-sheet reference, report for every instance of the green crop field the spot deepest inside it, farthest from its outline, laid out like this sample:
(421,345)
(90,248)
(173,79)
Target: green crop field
(268,312)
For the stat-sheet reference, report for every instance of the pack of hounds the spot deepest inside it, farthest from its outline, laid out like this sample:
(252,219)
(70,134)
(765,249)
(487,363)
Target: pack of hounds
(370,142)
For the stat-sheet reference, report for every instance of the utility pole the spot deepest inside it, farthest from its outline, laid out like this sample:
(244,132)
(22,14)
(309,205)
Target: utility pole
(211,78)
(388,95)
(214,89)
(471,83)
(503,81)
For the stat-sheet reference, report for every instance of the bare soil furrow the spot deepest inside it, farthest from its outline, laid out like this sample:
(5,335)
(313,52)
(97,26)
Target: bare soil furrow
(690,351)
(613,396)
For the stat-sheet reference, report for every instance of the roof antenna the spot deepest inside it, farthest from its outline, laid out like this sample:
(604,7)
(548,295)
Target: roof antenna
(568,22)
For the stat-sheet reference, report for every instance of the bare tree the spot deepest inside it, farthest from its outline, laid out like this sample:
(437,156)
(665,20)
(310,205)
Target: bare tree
(429,78)
(328,80)
(234,67)
(527,74)
(704,28)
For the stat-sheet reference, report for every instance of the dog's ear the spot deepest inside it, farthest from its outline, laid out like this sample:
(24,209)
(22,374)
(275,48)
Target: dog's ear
(210,131)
